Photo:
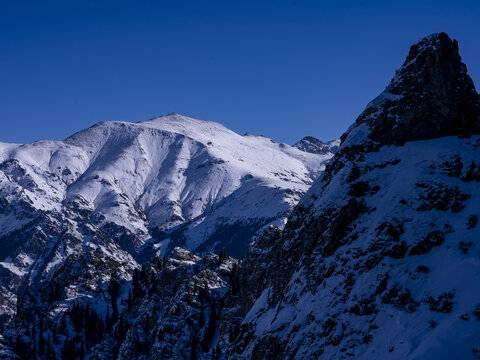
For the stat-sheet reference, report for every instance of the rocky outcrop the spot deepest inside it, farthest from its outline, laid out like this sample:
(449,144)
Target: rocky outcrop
(431,96)
(360,268)
(315,146)
(175,308)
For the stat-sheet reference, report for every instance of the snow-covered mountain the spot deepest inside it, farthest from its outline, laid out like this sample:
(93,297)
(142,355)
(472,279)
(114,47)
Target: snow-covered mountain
(381,257)
(162,174)
(378,260)
(136,190)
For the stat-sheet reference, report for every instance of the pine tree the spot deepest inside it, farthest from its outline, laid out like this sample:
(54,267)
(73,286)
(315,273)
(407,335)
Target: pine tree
(235,278)
(41,339)
(137,291)
(204,292)
(153,284)
(34,336)
(193,349)
(50,352)
(63,326)
(222,257)
(108,321)
(188,296)
(122,329)
(68,350)
(113,290)
(143,274)
(21,347)
(129,301)
(211,329)
(201,319)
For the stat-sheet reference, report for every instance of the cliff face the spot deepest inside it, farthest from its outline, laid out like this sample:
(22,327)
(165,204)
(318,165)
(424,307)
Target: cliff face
(431,96)
(364,267)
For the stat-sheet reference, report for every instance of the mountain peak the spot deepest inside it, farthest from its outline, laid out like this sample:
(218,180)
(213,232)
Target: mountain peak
(186,125)
(430,96)
(172,117)
(436,42)
(313,145)
(434,58)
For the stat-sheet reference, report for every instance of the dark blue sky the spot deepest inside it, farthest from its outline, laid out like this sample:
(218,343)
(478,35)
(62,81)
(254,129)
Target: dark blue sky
(284,68)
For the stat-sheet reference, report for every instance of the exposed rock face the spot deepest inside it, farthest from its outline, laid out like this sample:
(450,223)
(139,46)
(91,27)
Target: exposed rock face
(176,308)
(315,146)
(359,270)
(430,96)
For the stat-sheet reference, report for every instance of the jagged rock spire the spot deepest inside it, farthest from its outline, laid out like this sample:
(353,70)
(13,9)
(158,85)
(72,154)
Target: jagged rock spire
(430,96)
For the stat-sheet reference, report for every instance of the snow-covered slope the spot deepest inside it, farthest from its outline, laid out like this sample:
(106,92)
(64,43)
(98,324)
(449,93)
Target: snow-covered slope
(139,189)
(162,173)
(381,257)
(387,262)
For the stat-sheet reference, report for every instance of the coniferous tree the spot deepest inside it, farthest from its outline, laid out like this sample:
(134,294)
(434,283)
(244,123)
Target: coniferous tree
(235,278)
(63,326)
(204,292)
(193,348)
(137,291)
(143,274)
(222,257)
(113,290)
(201,318)
(122,329)
(189,296)
(81,352)
(34,336)
(21,347)
(41,339)
(68,350)
(211,329)
(49,352)
(108,320)
(153,284)
(129,301)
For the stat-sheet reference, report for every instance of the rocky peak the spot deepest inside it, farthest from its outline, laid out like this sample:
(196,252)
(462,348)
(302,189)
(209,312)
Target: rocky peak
(430,96)
(315,146)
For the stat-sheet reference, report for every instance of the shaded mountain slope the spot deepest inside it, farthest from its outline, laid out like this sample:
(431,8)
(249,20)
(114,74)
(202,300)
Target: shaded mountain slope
(380,258)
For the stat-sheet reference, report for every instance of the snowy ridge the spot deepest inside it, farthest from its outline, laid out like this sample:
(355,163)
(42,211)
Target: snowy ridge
(174,169)
(121,188)
(378,259)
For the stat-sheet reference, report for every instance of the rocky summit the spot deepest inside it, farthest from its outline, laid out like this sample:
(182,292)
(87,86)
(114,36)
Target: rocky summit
(431,96)
(365,251)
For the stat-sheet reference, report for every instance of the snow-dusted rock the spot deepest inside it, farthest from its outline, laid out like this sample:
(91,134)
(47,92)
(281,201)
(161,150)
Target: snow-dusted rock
(380,257)
(315,146)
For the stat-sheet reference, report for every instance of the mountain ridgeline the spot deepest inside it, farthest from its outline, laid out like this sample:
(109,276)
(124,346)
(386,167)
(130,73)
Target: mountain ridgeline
(364,248)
